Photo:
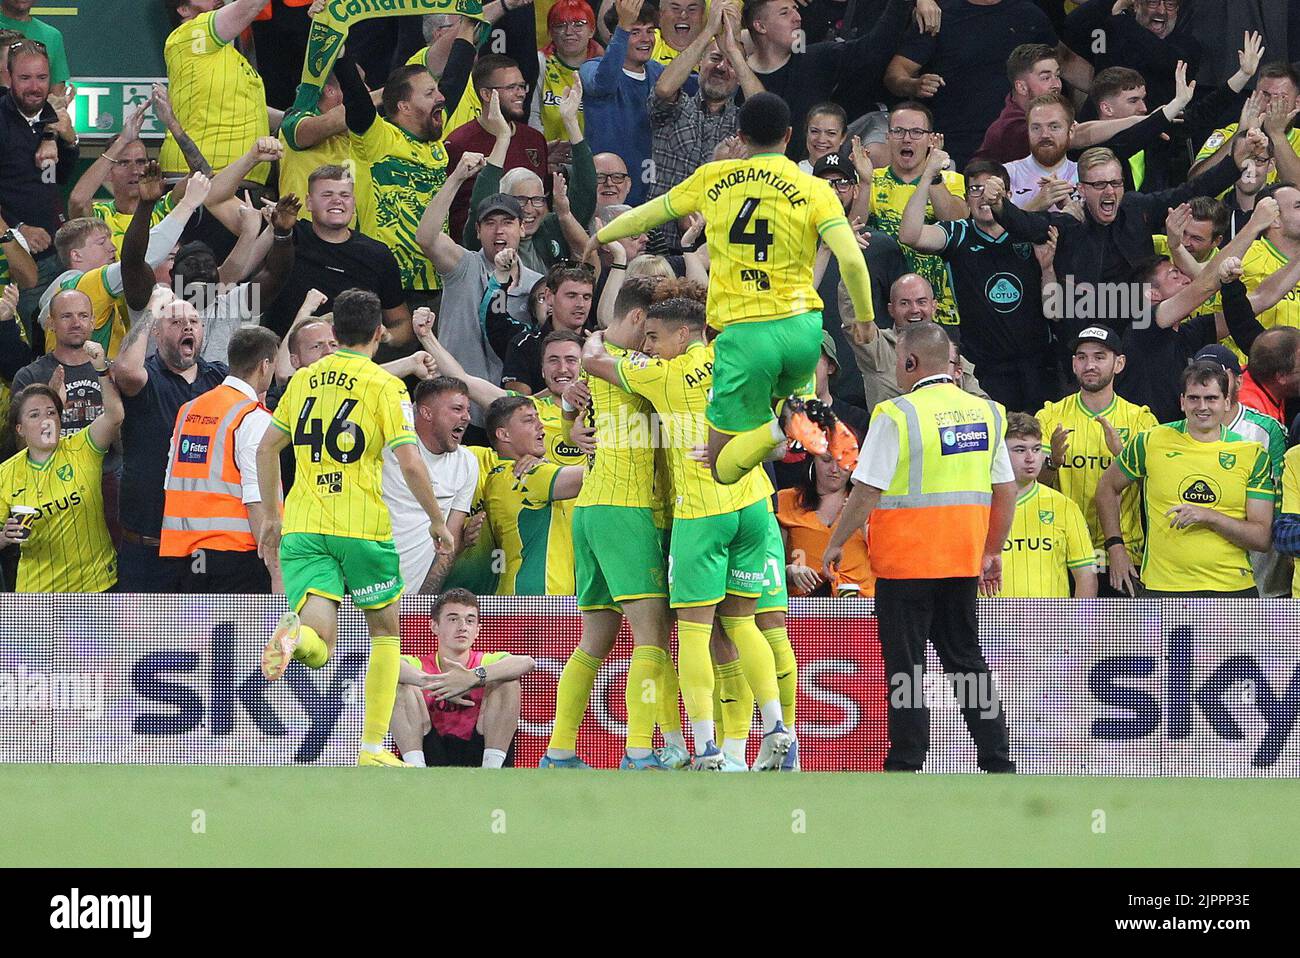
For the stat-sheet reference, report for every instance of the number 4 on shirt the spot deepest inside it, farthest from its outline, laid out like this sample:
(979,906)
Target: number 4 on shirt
(760,238)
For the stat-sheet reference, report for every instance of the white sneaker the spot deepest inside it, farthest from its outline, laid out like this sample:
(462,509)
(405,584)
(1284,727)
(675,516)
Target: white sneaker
(773,750)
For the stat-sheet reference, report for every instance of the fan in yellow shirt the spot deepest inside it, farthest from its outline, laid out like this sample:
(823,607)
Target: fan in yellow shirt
(680,22)
(217,96)
(1087,430)
(340,414)
(1049,542)
(763,219)
(51,491)
(1208,496)
(1286,527)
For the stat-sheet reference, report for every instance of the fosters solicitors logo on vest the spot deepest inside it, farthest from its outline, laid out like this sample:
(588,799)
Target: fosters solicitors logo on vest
(966,437)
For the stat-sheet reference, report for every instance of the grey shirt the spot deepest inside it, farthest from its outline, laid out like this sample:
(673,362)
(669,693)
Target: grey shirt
(85,402)
(460,324)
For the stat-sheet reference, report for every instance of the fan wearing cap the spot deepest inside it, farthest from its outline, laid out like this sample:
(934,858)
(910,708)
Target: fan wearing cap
(1272,572)
(1208,496)
(465,274)
(1087,430)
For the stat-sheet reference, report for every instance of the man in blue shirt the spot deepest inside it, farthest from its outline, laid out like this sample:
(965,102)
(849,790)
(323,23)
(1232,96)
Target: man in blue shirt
(616,89)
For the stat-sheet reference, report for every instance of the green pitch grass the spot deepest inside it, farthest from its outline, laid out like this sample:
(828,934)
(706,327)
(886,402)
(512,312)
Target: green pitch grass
(134,815)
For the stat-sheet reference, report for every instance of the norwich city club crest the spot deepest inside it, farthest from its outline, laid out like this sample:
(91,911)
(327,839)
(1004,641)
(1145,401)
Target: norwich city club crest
(1227,459)
(1046,516)
(65,473)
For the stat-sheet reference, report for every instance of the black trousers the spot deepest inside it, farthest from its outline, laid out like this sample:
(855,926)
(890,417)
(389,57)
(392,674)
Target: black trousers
(226,573)
(910,612)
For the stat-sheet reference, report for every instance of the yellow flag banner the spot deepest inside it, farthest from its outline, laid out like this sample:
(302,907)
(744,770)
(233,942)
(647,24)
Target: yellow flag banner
(330,28)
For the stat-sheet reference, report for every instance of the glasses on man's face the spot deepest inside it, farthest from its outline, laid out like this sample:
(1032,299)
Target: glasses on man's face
(617,179)
(537,202)
(906,132)
(570,26)
(839,185)
(512,87)
(1103,184)
(975,191)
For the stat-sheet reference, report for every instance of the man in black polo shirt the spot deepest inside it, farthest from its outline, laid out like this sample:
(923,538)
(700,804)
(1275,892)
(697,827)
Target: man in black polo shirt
(571,302)
(997,282)
(153,390)
(331,257)
(31,200)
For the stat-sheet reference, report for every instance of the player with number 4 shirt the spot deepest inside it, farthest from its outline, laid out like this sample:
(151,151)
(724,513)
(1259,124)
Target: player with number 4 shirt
(763,220)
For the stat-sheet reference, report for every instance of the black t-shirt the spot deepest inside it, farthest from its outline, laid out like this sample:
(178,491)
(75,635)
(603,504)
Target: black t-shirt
(357,263)
(85,402)
(998,285)
(147,435)
(1154,362)
(970,53)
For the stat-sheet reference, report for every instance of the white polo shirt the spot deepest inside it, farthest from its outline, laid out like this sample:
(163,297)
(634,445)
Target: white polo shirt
(454,476)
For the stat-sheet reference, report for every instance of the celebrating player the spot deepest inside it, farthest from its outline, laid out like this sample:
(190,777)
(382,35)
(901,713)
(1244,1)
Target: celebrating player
(763,219)
(720,532)
(340,413)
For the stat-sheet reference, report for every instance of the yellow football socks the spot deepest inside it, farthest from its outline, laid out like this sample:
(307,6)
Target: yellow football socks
(745,451)
(644,690)
(758,664)
(695,670)
(669,712)
(571,697)
(736,703)
(311,649)
(787,672)
(381,689)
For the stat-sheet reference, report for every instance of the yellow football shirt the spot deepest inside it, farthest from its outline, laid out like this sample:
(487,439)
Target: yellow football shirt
(621,472)
(69,549)
(1048,538)
(889,196)
(1291,502)
(556,77)
(118,221)
(477,568)
(763,219)
(341,412)
(218,97)
(1220,475)
(1223,134)
(405,173)
(1263,259)
(109,310)
(535,540)
(679,390)
(1089,456)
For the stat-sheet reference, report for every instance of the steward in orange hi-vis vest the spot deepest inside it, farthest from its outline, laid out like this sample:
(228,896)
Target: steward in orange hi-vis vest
(204,507)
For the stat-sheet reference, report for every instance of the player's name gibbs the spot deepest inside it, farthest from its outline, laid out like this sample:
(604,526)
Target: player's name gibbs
(758,174)
(627,429)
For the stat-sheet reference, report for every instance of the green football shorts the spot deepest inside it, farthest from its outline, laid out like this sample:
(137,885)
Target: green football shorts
(618,554)
(714,555)
(775,598)
(754,363)
(313,563)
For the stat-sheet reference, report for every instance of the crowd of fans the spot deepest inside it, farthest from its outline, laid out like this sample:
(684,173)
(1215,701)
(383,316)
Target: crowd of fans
(1088,196)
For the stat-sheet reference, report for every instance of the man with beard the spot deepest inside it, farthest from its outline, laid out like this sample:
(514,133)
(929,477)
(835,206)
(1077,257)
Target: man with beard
(1087,430)
(687,128)
(153,390)
(331,257)
(1046,178)
(408,166)
(441,417)
(1034,71)
(500,85)
(997,284)
(31,198)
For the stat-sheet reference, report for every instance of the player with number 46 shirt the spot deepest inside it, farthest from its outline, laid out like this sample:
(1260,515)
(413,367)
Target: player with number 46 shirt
(763,220)
(340,413)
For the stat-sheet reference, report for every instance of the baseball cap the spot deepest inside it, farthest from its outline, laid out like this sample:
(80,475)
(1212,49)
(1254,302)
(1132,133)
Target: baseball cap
(828,347)
(836,163)
(1220,355)
(1098,334)
(499,203)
